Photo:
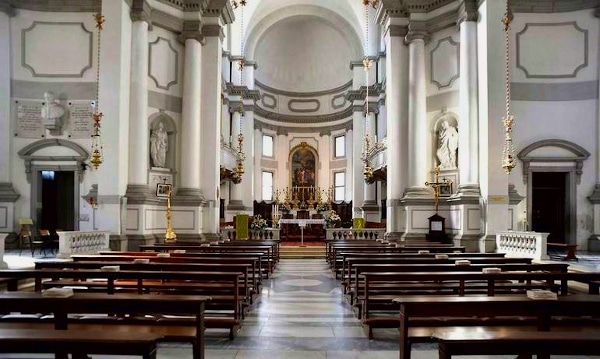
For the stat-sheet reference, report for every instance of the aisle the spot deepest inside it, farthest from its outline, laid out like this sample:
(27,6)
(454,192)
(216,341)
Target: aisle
(301,315)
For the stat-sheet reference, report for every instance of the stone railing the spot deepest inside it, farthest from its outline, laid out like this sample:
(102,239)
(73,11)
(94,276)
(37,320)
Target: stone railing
(3,264)
(266,234)
(349,233)
(82,243)
(522,244)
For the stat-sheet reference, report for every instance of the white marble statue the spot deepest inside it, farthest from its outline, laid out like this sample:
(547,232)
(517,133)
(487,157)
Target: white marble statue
(159,143)
(52,114)
(447,146)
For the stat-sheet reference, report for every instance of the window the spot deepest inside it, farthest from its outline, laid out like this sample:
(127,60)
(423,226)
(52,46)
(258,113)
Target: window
(267,186)
(340,146)
(267,146)
(339,182)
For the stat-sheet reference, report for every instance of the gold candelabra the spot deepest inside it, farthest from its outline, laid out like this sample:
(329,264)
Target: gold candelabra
(303,197)
(170,236)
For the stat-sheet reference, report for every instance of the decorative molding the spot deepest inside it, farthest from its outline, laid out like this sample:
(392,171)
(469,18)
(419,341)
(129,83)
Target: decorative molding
(531,73)
(314,119)
(165,102)
(580,154)
(213,30)
(27,154)
(166,21)
(259,124)
(551,6)
(456,75)
(314,101)
(417,30)
(8,193)
(24,59)
(141,11)
(336,98)
(243,91)
(74,91)
(333,91)
(566,91)
(269,97)
(467,11)
(192,29)
(173,80)
(514,198)
(8,9)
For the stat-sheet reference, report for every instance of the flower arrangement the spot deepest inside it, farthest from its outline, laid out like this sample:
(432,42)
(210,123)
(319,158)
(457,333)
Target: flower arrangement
(333,219)
(322,207)
(258,222)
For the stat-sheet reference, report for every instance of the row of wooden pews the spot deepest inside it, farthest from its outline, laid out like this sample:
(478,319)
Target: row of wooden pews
(174,290)
(443,294)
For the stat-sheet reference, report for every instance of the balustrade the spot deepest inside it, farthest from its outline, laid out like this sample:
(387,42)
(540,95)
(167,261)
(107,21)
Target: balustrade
(349,233)
(77,242)
(522,244)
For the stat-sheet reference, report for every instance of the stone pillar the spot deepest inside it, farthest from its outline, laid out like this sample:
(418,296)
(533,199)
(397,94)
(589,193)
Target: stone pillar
(114,102)
(370,207)
(8,196)
(594,198)
(417,113)
(350,139)
(137,187)
(395,28)
(190,122)
(491,68)
(3,264)
(466,201)
(235,189)
(210,114)
(357,180)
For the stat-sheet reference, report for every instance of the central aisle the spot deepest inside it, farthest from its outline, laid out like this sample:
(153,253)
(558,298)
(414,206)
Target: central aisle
(301,314)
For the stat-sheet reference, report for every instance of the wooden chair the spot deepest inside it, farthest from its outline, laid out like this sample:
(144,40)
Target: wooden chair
(24,239)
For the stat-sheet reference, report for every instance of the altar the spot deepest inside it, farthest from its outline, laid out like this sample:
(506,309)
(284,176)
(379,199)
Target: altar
(302,223)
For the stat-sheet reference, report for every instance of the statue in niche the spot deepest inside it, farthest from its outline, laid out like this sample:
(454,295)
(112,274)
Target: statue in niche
(159,143)
(52,114)
(447,145)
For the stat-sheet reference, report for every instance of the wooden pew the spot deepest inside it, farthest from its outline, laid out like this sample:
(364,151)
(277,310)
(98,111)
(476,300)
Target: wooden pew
(78,342)
(223,287)
(544,344)
(118,304)
(479,309)
(335,251)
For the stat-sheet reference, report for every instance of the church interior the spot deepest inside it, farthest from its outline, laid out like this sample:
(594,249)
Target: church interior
(306,146)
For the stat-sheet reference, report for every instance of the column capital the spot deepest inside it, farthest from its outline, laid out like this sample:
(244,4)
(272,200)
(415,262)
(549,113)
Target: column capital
(467,11)
(213,30)
(7,9)
(389,9)
(222,9)
(417,30)
(192,29)
(141,11)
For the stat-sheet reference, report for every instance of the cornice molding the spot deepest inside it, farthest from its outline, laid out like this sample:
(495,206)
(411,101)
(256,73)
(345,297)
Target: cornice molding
(243,91)
(467,11)
(141,11)
(275,91)
(7,9)
(360,94)
(417,30)
(192,29)
(213,30)
(286,130)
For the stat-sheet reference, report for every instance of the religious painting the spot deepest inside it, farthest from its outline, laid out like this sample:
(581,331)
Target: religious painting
(303,161)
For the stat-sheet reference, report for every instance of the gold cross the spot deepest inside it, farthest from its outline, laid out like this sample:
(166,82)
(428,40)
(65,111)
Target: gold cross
(436,187)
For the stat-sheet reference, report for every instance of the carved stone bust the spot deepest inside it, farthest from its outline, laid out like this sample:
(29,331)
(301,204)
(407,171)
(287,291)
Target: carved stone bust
(53,114)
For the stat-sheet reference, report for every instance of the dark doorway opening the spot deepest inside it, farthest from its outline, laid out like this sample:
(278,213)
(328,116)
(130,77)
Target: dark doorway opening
(57,205)
(549,205)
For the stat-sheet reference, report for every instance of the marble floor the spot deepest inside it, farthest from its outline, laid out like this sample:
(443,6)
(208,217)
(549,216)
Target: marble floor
(300,314)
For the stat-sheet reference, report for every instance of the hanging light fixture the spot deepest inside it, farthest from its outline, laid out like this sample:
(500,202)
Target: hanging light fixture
(508,151)
(367,62)
(241,155)
(97,146)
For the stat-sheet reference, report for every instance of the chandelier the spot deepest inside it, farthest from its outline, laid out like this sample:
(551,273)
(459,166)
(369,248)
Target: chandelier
(241,155)
(367,62)
(97,146)
(508,151)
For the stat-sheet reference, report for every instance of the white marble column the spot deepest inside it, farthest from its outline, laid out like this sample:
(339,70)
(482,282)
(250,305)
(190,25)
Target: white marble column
(248,193)
(210,114)
(594,197)
(357,180)
(468,126)
(7,194)
(350,139)
(417,113)
(191,140)
(491,68)
(114,101)
(235,189)
(370,190)
(139,144)
(466,201)
(397,122)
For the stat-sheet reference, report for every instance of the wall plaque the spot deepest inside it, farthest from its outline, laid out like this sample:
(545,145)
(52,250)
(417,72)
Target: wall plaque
(81,119)
(28,119)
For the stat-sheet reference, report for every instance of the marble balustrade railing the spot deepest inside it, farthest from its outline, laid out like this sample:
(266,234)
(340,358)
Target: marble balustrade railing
(349,233)
(267,234)
(522,244)
(79,242)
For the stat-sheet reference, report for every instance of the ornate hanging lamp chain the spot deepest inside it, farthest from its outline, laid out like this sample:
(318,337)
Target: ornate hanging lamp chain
(508,158)
(97,145)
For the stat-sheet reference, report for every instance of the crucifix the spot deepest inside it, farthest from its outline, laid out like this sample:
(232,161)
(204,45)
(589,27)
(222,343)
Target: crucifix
(436,187)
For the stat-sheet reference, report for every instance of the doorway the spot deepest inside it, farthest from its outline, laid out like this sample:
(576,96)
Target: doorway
(550,205)
(56,209)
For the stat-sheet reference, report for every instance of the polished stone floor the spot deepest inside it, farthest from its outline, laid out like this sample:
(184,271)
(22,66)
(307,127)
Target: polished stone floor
(300,314)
